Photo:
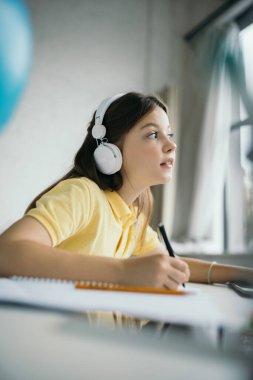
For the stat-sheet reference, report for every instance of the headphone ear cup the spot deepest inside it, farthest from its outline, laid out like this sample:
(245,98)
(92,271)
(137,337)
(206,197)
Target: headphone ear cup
(108,158)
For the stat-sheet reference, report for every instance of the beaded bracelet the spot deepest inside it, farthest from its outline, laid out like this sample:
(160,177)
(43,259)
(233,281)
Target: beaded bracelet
(210,271)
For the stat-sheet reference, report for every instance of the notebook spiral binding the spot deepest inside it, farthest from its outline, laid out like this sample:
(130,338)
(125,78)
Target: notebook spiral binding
(62,281)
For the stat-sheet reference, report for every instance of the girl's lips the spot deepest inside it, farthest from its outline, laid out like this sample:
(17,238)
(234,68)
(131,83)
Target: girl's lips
(168,164)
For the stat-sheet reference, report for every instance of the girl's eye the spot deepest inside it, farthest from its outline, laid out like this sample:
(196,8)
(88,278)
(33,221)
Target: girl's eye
(153,135)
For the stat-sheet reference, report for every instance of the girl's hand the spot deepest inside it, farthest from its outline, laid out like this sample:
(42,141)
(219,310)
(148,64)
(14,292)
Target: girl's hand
(157,270)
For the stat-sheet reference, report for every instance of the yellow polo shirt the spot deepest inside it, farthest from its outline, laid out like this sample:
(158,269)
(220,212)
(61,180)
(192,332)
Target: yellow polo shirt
(80,217)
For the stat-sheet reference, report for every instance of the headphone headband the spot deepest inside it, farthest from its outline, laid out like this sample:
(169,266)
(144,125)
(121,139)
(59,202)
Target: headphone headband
(103,106)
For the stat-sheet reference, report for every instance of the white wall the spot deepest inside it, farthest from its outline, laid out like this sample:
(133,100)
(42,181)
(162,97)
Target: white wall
(84,51)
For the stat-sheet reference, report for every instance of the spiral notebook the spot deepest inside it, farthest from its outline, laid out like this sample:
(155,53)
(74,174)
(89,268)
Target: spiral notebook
(195,308)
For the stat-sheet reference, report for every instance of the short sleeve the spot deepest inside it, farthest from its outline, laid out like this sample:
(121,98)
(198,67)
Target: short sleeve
(64,209)
(151,241)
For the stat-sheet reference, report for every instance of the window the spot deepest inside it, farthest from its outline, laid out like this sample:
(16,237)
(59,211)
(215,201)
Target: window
(238,231)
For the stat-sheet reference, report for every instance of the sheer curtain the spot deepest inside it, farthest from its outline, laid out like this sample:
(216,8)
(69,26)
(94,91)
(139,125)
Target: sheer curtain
(213,83)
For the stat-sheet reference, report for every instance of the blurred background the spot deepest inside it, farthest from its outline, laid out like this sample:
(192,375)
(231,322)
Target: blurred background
(195,54)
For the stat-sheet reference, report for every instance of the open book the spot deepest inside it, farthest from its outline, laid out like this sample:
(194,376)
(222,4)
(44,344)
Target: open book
(188,306)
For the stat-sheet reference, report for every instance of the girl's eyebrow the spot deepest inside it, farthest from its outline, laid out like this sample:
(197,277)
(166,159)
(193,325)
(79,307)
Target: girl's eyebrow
(153,125)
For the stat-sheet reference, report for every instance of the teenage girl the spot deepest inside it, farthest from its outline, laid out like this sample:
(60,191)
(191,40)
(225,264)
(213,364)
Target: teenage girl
(93,224)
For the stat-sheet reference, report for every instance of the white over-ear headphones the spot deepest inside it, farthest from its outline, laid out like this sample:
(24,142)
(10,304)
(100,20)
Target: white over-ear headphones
(108,157)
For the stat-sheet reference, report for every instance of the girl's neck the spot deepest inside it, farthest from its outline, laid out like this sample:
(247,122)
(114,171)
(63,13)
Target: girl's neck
(128,193)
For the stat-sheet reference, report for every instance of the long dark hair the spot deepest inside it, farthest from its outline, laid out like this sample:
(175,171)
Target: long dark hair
(119,118)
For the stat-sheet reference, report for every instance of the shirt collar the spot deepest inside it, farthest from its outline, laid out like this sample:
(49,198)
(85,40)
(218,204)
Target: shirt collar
(126,214)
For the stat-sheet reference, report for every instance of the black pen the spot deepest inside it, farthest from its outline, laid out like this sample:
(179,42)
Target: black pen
(170,250)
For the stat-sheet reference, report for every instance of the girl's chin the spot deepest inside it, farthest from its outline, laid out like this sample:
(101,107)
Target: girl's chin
(167,178)
(164,181)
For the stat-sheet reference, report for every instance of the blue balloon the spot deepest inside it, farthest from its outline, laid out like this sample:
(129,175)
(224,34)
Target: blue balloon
(15,55)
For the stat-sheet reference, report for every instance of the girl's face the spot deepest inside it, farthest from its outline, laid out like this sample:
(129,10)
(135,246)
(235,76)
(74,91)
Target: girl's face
(149,151)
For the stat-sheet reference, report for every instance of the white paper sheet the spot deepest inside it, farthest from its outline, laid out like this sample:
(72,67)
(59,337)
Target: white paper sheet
(193,309)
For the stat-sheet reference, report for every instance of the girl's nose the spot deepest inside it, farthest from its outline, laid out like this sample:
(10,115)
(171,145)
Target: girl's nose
(170,144)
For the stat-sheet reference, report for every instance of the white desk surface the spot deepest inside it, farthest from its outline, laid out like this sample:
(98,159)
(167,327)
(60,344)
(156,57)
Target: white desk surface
(237,309)
(42,344)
